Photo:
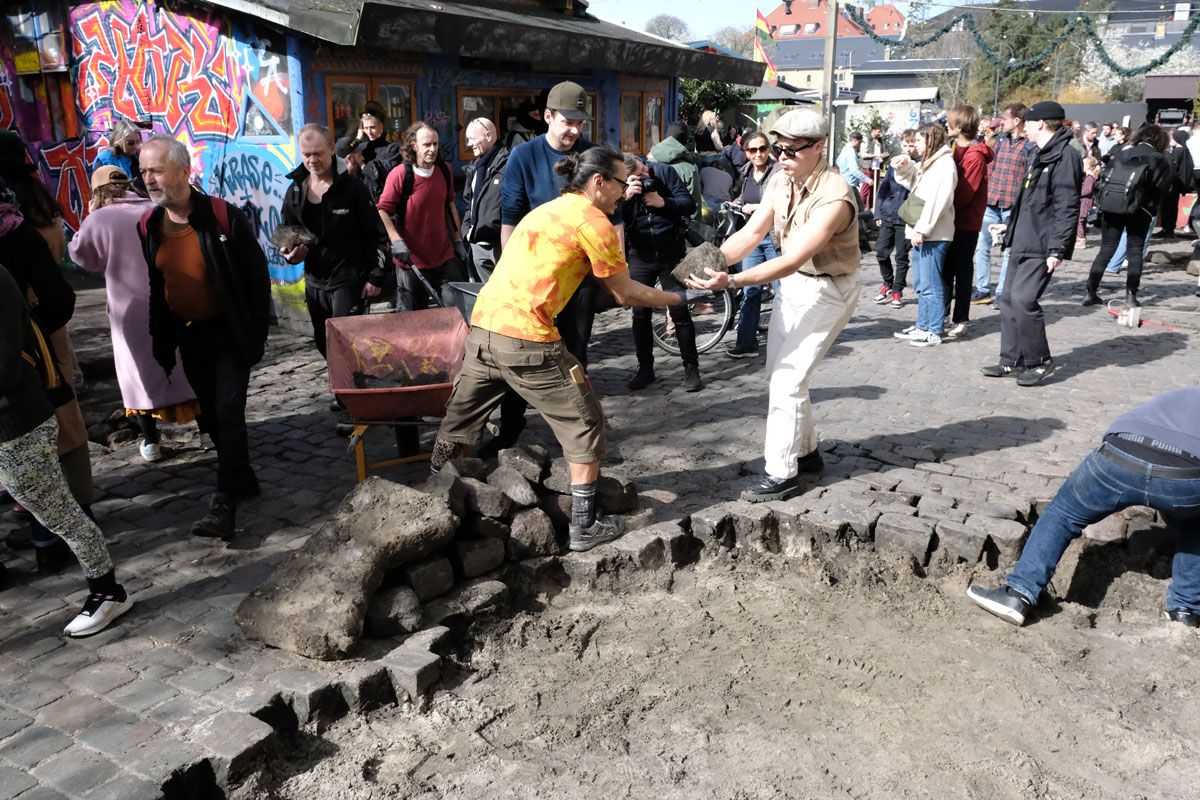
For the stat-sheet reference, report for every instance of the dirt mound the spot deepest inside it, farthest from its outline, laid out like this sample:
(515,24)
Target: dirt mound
(759,677)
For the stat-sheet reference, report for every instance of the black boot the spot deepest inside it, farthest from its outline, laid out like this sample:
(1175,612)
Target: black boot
(1131,298)
(53,557)
(691,378)
(220,521)
(643,378)
(1091,299)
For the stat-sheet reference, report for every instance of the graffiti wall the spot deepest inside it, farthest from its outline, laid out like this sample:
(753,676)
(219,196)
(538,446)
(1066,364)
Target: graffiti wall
(217,82)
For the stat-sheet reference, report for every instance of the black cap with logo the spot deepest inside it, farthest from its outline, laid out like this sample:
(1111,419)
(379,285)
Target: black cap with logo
(569,99)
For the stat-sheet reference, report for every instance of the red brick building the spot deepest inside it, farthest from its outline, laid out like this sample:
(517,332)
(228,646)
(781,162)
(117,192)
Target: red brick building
(805,19)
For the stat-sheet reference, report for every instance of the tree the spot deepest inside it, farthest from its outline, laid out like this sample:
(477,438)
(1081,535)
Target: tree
(668,27)
(739,40)
(700,96)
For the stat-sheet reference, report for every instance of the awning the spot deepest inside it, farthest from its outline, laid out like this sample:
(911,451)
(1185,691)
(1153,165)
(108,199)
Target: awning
(923,94)
(770,93)
(1171,87)
(552,41)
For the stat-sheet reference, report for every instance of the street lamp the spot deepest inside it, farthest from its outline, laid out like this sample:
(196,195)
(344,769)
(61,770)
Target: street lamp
(996,97)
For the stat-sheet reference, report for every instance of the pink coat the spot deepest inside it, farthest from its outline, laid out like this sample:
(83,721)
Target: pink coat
(108,242)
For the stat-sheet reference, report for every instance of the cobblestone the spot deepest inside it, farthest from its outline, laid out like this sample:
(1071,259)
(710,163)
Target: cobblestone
(976,458)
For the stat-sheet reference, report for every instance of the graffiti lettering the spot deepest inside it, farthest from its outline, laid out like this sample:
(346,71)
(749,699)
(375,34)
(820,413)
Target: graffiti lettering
(68,163)
(247,172)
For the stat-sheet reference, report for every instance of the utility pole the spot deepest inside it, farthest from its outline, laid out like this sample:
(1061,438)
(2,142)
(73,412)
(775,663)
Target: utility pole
(829,89)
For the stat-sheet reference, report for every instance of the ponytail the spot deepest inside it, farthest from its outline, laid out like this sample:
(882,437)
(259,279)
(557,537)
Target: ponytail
(578,168)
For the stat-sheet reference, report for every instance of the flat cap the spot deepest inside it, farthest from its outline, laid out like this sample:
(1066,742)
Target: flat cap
(801,123)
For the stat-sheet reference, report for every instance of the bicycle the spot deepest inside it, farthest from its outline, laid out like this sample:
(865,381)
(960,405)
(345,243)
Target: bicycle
(712,315)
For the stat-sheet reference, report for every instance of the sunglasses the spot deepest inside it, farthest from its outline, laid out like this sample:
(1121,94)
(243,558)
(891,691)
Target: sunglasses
(762,149)
(791,152)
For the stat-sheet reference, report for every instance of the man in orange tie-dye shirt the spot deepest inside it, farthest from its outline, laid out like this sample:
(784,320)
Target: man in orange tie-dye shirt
(513,341)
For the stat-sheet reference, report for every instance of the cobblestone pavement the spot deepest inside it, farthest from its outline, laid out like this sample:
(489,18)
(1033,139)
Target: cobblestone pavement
(173,695)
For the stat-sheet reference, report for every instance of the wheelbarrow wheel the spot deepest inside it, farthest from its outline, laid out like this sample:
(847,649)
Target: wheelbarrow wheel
(712,317)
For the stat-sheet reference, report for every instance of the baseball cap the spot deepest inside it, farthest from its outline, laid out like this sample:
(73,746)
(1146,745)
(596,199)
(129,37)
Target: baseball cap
(108,174)
(569,99)
(1047,109)
(345,146)
(801,124)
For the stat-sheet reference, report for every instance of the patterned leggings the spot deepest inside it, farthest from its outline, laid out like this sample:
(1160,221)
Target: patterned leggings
(29,469)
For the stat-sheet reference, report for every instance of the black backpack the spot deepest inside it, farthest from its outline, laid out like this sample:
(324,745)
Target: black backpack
(406,190)
(375,171)
(1124,188)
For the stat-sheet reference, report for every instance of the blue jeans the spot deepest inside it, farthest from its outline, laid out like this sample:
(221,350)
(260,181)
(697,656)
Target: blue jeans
(1114,263)
(1106,482)
(927,260)
(751,310)
(994,215)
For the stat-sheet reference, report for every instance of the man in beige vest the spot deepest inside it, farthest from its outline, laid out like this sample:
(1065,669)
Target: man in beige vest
(814,214)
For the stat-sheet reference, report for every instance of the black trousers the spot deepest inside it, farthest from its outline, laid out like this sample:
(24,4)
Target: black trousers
(324,304)
(958,275)
(1022,321)
(411,294)
(891,237)
(1137,226)
(648,273)
(220,381)
(1168,211)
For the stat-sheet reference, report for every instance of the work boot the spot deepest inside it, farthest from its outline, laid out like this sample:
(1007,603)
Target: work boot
(1092,297)
(1131,298)
(220,521)
(691,378)
(1183,616)
(643,378)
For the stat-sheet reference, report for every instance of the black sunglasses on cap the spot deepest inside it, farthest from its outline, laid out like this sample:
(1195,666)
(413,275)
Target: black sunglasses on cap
(791,152)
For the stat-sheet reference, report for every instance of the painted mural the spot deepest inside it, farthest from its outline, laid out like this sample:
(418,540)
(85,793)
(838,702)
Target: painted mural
(218,83)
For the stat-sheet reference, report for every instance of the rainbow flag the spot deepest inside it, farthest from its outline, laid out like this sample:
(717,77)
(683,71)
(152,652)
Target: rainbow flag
(762,39)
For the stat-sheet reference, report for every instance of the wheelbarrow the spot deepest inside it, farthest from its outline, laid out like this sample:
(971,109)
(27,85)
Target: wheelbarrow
(394,370)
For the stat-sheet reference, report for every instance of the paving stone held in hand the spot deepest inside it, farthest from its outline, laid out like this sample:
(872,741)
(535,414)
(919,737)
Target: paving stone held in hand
(700,259)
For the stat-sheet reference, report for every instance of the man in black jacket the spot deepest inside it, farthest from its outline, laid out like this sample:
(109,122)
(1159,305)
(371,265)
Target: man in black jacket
(346,265)
(481,193)
(1040,235)
(210,297)
(655,212)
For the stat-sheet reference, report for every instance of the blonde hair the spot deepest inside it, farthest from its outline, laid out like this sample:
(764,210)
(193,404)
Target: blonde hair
(121,130)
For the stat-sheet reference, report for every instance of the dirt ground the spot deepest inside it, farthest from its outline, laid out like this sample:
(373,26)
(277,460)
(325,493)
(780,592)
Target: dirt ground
(758,677)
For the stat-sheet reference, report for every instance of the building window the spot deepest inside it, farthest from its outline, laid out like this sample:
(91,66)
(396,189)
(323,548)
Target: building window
(641,121)
(346,96)
(789,30)
(811,28)
(500,106)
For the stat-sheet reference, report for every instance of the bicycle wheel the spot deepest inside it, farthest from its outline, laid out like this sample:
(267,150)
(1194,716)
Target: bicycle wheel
(712,315)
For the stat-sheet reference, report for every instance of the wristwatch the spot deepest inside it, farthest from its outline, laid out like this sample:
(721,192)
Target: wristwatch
(732,282)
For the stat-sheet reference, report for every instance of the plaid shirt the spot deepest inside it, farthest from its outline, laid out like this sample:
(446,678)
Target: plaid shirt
(1008,171)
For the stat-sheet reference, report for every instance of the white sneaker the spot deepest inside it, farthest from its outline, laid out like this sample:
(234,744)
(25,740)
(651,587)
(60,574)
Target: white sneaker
(957,331)
(99,611)
(911,332)
(926,339)
(151,451)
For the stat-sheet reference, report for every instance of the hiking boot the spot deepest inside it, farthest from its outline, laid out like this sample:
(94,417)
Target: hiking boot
(768,487)
(220,521)
(98,612)
(1035,375)
(1183,616)
(604,529)
(1131,299)
(733,351)
(897,300)
(1091,299)
(643,378)
(925,339)
(910,332)
(1002,601)
(691,378)
(1001,371)
(885,292)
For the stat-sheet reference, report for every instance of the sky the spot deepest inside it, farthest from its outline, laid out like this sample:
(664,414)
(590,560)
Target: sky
(703,17)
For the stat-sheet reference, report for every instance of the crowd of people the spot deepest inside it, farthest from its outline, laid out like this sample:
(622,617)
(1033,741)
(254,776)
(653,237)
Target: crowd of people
(552,228)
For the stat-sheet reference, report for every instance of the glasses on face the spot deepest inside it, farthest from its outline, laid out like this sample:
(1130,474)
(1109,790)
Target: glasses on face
(763,149)
(791,152)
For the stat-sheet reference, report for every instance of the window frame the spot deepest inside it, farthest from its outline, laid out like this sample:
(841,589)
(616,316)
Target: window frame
(498,94)
(643,118)
(371,82)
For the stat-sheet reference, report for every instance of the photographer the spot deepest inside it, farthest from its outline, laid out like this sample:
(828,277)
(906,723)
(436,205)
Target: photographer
(655,212)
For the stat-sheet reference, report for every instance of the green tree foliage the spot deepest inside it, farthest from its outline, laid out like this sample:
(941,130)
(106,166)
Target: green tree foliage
(739,40)
(700,96)
(668,27)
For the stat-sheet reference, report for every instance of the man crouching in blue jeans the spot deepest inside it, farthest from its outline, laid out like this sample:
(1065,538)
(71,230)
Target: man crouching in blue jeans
(1150,456)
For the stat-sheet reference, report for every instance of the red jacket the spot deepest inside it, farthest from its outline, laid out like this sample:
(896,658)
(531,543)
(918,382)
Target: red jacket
(970,197)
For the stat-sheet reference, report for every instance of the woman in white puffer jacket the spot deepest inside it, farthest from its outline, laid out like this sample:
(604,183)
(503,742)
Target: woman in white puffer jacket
(932,181)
